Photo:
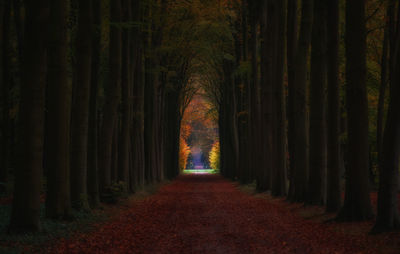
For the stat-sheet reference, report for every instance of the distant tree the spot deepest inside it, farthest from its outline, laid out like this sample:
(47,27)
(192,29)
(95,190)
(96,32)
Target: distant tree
(28,175)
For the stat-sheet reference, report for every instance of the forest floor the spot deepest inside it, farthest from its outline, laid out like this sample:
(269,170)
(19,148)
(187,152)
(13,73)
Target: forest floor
(204,213)
(208,214)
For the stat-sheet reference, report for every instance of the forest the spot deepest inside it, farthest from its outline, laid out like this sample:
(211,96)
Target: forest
(100,99)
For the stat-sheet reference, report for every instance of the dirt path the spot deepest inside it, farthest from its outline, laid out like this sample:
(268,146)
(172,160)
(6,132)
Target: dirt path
(207,214)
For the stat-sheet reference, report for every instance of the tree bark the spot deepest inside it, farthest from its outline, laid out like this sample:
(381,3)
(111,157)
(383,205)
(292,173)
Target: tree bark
(113,95)
(388,218)
(357,204)
(80,108)
(126,84)
(93,173)
(333,198)
(300,103)
(58,115)
(279,176)
(292,40)
(28,175)
(318,148)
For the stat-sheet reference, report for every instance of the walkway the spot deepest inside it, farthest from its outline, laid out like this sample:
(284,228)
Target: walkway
(207,214)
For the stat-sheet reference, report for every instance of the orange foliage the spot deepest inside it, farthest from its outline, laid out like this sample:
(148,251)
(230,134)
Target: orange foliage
(184,151)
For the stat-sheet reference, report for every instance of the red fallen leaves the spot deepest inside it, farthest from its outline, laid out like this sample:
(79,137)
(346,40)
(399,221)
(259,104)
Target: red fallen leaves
(207,214)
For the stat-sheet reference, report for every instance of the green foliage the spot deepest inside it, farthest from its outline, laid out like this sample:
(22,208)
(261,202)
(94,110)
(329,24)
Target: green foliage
(114,193)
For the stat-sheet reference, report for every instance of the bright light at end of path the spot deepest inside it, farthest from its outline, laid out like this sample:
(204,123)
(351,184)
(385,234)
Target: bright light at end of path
(199,171)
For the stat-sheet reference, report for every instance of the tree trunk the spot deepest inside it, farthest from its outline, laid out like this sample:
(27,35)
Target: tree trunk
(5,10)
(317,107)
(80,109)
(58,115)
(384,81)
(92,165)
(126,84)
(28,175)
(113,94)
(279,176)
(300,103)
(333,198)
(357,205)
(388,218)
(292,27)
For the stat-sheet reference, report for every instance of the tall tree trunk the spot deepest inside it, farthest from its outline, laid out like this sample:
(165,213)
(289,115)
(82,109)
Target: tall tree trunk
(300,103)
(113,94)
(80,108)
(357,204)
(254,118)
(279,176)
(292,27)
(384,81)
(266,98)
(5,10)
(333,197)
(28,176)
(126,84)
(388,218)
(92,164)
(317,107)
(58,114)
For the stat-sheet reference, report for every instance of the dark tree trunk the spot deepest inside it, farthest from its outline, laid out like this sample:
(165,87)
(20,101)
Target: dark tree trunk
(113,94)
(388,218)
(317,107)
(254,118)
(266,99)
(5,10)
(114,152)
(279,176)
(357,204)
(93,174)
(292,27)
(300,103)
(28,176)
(126,84)
(80,108)
(384,81)
(333,198)
(58,114)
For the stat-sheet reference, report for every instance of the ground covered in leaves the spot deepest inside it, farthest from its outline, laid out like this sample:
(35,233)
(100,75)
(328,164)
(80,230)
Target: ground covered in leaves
(208,214)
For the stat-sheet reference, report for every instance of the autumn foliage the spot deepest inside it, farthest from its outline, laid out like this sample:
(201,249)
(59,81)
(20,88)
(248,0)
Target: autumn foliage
(215,156)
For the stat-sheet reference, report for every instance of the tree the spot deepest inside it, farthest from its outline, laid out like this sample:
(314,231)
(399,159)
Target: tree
(357,205)
(388,214)
(113,95)
(292,40)
(58,114)
(333,198)
(28,176)
(126,83)
(80,108)
(92,163)
(300,103)
(279,175)
(317,155)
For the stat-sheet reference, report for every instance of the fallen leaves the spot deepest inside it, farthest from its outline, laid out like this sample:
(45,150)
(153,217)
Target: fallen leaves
(207,214)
